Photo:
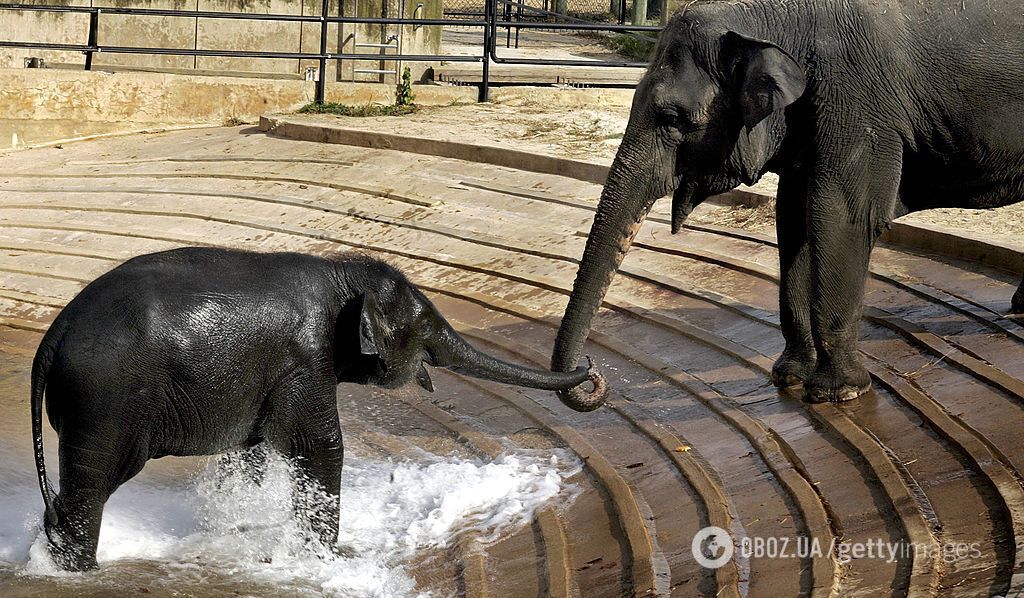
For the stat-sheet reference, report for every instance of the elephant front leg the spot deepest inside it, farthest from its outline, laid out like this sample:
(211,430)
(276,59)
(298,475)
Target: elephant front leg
(306,430)
(796,363)
(840,253)
(851,200)
(317,492)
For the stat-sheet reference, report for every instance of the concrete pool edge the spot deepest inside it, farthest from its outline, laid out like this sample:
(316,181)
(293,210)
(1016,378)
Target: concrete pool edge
(927,238)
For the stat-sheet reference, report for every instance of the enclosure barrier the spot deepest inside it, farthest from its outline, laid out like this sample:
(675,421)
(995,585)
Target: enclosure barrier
(490,24)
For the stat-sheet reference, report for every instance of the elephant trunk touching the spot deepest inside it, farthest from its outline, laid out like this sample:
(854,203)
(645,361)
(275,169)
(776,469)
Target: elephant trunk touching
(625,202)
(452,352)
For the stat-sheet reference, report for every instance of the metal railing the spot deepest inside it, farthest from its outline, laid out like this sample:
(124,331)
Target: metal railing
(490,24)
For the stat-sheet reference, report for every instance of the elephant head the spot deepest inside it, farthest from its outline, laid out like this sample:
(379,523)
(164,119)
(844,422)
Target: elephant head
(707,116)
(401,331)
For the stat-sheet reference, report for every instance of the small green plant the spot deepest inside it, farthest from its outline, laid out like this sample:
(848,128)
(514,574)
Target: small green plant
(631,47)
(404,95)
(404,99)
(364,110)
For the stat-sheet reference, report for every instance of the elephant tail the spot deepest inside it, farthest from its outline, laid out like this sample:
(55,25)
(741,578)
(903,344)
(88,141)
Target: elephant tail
(40,370)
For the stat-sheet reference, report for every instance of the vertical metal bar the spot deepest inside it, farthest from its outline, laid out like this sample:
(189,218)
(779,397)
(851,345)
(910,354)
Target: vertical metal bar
(508,19)
(94,25)
(519,19)
(321,80)
(485,83)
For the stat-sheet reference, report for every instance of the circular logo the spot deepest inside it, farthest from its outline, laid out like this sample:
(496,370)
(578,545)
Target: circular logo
(712,547)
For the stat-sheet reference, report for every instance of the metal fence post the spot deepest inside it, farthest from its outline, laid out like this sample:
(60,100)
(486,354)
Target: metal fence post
(519,19)
(639,12)
(94,25)
(485,84)
(508,17)
(321,80)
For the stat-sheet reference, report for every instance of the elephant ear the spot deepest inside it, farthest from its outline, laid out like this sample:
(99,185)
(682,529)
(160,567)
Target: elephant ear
(767,77)
(369,329)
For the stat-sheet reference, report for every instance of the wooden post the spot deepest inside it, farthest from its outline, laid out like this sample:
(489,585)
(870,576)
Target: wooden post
(639,12)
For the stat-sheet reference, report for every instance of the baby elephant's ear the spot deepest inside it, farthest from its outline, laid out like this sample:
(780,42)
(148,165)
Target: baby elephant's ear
(368,325)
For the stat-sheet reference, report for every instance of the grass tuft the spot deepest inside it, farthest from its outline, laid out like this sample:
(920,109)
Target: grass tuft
(364,110)
(631,47)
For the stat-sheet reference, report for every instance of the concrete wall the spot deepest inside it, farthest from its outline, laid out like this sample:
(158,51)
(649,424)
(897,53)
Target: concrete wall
(146,98)
(225,34)
(411,40)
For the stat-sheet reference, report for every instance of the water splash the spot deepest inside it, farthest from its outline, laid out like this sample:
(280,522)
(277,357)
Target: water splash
(222,526)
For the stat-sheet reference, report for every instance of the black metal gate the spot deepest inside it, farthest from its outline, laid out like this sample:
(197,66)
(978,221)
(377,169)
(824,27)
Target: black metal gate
(498,18)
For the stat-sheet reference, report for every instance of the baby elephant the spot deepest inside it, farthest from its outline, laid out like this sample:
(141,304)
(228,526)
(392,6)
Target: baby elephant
(199,351)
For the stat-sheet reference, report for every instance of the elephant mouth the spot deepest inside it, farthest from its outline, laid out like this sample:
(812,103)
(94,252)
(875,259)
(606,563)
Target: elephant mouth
(376,373)
(385,377)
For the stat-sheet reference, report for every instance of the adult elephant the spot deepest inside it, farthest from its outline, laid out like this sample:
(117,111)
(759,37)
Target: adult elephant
(867,110)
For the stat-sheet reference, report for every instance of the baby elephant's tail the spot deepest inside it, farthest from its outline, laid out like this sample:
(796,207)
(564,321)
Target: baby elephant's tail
(40,369)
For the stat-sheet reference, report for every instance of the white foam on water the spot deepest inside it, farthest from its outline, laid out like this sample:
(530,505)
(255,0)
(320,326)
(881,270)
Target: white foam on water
(228,525)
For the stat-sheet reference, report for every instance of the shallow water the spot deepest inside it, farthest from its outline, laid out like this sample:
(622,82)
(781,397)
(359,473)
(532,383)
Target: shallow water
(183,527)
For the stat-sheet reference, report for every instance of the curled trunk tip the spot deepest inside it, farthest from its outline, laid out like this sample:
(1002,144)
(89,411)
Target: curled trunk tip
(578,399)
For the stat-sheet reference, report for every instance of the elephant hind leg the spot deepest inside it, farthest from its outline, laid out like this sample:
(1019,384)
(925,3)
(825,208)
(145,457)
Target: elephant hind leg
(250,462)
(74,536)
(88,476)
(1017,303)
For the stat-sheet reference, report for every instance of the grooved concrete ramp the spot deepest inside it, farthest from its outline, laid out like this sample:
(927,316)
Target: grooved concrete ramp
(694,434)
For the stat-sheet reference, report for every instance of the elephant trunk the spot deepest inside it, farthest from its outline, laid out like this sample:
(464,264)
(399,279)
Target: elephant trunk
(452,352)
(625,202)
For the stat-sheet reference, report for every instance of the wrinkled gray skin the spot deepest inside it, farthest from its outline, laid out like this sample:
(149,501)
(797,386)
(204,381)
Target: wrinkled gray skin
(198,351)
(867,110)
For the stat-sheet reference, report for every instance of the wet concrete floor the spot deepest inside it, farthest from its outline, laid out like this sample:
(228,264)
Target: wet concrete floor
(695,435)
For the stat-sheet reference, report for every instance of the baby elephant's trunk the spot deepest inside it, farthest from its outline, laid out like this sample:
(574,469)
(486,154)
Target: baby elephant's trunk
(453,352)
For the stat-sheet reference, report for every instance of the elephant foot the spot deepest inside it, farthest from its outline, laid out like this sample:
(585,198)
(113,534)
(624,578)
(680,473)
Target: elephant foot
(837,382)
(792,369)
(70,556)
(69,544)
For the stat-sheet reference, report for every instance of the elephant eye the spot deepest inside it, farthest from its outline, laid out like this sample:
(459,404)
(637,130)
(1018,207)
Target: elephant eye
(668,117)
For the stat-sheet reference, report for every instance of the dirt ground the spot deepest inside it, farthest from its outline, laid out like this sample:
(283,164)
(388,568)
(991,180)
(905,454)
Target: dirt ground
(546,123)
